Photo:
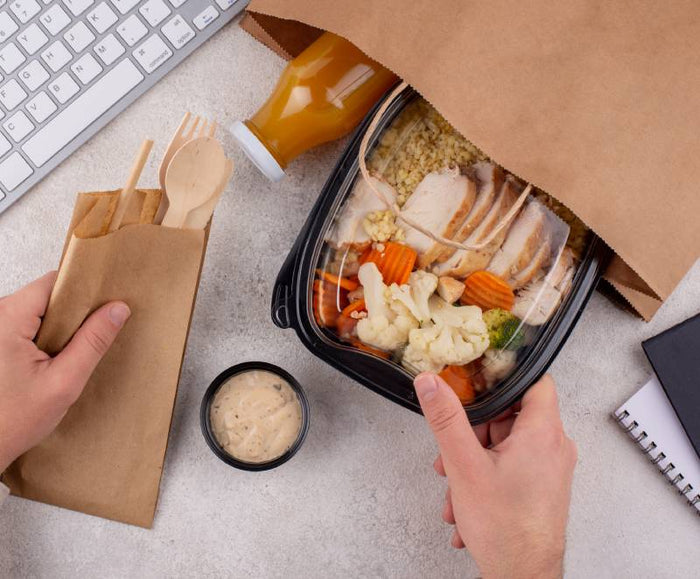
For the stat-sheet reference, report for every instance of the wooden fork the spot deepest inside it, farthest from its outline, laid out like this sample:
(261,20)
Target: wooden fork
(185,132)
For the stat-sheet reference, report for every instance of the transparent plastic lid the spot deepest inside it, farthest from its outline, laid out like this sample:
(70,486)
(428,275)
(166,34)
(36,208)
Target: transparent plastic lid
(443,261)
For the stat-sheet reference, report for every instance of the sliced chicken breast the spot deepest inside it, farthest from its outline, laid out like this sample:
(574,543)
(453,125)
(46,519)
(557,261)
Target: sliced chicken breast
(464,262)
(535,269)
(524,240)
(348,229)
(489,179)
(439,204)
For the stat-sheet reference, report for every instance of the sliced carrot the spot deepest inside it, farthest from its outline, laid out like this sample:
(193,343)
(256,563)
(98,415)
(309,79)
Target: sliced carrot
(356,306)
(343,282)
(328,302)
(395,261)
(459,379)
(365,348)
(488,291)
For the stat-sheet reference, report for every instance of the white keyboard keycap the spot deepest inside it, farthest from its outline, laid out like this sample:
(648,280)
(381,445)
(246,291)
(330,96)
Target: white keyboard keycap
(11,57)
(152,53)
(224,4)
(109,49)
(102,17)
(54,19)
(132,30)
(82,112)
(177,3)
(86,68)
(154,11)
(4,146)
(32,38)
(18,126)
(177,31)
(77,7)
(11,94)
(79,36)
(41,107)
(14,171)
(205,17)
(56,56)
(25,10)
(33,75)
(7,26)
(124,5)
(63,87)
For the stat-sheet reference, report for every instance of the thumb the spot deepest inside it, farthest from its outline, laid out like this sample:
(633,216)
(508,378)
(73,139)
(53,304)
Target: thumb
(78,360)
(459,446)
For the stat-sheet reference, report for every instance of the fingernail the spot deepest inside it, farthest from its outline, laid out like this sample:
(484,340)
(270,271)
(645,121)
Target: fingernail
(426,386)
(119,313)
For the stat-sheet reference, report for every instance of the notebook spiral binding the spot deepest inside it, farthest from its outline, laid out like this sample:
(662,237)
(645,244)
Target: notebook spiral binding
(647,448)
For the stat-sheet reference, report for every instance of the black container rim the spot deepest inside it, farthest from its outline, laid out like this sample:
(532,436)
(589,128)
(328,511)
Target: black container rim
(205,417)
(290,307)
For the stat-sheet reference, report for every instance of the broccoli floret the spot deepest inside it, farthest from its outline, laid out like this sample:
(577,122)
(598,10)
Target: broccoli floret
(504,330)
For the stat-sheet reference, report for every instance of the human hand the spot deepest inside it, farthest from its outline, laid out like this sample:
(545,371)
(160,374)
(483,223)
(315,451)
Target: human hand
(37,390)
(509,481)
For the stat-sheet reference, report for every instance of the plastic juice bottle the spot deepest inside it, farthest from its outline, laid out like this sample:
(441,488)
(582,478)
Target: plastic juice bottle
(321,96)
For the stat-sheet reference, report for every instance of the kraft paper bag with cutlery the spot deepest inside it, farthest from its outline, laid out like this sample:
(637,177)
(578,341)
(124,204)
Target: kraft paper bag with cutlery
(107,455)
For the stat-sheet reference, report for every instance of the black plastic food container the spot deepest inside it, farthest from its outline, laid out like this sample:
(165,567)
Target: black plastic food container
(208,432)
(292,307)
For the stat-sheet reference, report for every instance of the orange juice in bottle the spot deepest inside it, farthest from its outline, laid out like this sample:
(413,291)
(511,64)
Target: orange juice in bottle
(321,96)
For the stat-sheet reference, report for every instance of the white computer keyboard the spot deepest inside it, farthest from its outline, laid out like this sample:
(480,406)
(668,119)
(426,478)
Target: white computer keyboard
(69,66)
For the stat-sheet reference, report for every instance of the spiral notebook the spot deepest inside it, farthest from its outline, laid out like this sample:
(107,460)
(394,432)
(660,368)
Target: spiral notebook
(663,417)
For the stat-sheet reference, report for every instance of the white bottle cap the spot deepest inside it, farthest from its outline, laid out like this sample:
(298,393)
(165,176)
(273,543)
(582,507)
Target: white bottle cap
(257,152)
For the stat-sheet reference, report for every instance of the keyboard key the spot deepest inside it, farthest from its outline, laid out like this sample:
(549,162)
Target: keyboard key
(11,94)
(63,87)
(4,146)
(178,32)
(14,171)
(79,37)
(154,11)
(205,17)
(109,49)
(177,3)
(56,56)
(7,26)
(41,107)
(82,112)
(77,7)
(102,17)
(224,4)
(152,53)
(54,19)
(18,126)
(132,30)
(86,68)
(11,57)
(25,10)
(32,38)
(33,75)
(124,5)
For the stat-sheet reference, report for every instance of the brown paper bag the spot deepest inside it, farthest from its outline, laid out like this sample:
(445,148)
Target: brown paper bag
(106,456)
(595,103)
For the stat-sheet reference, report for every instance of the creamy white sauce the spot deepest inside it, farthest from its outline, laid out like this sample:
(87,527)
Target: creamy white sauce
(256,416)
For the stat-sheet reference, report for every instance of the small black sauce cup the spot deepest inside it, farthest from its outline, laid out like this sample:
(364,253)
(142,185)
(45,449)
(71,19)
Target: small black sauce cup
(205,416)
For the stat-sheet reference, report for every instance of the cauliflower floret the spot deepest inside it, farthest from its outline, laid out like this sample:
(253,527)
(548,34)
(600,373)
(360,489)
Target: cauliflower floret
(497,364)
(457,336)
(415,295)
(381,226)
(388,321)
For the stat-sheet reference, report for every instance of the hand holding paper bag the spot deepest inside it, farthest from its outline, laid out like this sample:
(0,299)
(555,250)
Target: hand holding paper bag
(37,390)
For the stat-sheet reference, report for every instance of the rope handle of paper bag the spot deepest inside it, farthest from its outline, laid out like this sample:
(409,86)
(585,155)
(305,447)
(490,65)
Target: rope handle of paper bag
(394,207)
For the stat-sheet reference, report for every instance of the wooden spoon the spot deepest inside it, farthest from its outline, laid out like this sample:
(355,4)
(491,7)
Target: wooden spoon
(128,191)
(193,176)
(200,216)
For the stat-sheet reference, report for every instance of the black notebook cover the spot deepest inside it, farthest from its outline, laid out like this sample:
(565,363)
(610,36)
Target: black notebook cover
(675,357)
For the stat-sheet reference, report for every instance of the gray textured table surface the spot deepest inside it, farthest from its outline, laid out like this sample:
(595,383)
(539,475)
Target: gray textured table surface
(361,498)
